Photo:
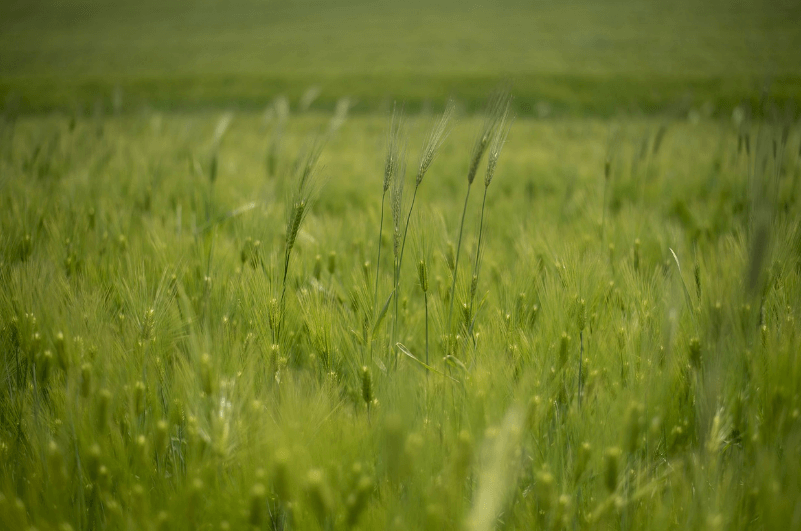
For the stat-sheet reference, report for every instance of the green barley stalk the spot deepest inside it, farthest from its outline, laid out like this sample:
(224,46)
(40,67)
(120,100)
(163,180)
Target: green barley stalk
(433,142)
(396,200)
(393,141)
(498,140)
(422,275)
(495,110)
(423,252)
(306,188)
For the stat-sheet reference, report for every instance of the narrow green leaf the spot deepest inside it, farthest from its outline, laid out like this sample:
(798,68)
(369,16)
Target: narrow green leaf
(405,350)
(383,312)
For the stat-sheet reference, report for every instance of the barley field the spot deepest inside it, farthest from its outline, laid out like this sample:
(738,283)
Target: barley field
(510,266)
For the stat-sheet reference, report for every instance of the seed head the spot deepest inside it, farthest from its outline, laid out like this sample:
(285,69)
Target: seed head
(257,496)
(435,139)
(318,266)
(478,151)
(422,275)
(393,146)
(367,386)
(564,341)
(695,352)
(103,400)
(273,313)
(464,455)
(496,109)
(332,262)
(717,434)
(546,485)
(581,315)
(473,286)
(162,435)
(396,199)
(141,449)
(86,379)
(43,366)
(139,398)
(93,461)
(532,411)
(611,466)
(466,314)
(582,458)
(357,501)
(633,427)
(163,521)
(206,374)
(195,497)
(293,226)
(61,351)
(281,477)
(55,463)
(450,256)
(250,252)
(176,412)
(498,140)
(621,338)
(318,495)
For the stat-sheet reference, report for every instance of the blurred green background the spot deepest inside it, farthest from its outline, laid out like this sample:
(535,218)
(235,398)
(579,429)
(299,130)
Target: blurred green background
(574,56)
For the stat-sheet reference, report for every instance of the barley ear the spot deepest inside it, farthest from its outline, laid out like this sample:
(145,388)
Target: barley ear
(422,275)
(435,138)
(396,201)
(496,110)
(393,146)
(498,140)
(367,386)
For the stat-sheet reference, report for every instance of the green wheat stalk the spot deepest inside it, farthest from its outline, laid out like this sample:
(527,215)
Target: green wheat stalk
(306,188)
(498,140)
(496,108)
(393,141)
(396,201)
(433,142)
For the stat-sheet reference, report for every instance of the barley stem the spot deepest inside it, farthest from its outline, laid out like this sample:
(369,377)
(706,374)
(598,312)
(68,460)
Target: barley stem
(287,255)
(478,249)
(425,298)
(408,217)
(396,199)
(456,262)
(396,281)
(378,260)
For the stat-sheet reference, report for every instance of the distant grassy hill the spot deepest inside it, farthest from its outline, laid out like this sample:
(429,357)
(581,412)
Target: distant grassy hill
(577,56)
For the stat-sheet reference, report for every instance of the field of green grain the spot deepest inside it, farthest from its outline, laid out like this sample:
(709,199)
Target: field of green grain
(570,57)
(257,271)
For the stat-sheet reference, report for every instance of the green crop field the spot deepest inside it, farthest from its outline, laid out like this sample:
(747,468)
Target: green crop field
(369,265)
(575,57)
